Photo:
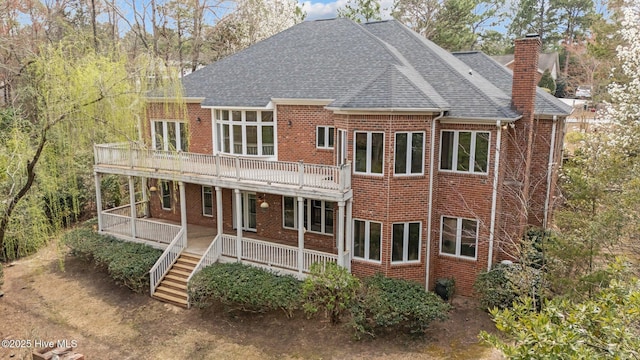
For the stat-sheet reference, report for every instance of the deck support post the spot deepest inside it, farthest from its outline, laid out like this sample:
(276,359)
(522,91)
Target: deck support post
(98,177)
(132,203)
(145,197)
(341,233)
(183,208)
(219,210)
(238,224)
(300,234)
(347,232)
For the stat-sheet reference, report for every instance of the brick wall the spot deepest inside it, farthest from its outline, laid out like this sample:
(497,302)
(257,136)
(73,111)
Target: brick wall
(297,133)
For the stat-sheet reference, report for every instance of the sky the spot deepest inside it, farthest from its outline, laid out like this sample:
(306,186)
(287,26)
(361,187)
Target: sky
(326,9)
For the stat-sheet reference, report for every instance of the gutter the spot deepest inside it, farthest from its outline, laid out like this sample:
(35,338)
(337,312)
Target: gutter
(429,221)
(547,199)
(494,198)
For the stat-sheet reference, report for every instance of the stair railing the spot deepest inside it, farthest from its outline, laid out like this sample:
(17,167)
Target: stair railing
(210,256)
(167,259)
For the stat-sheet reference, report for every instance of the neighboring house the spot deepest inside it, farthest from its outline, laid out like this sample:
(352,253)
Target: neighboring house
(364,145)
(546,62)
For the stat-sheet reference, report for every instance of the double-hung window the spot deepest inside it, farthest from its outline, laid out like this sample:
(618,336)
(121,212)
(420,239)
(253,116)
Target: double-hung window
(165,193)
(367,238)
(207,201)
(459,237)
(464,151)
(245,132)
(409,153)
(406,242)
(169,135)
(369,152)
(325,137)
(318,215)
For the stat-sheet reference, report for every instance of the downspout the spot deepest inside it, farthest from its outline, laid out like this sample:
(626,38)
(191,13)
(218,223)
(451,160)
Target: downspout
(431,170)
(494,198)
(547,200)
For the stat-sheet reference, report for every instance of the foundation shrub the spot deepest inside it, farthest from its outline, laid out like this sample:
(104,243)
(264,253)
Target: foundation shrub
(244,288)
(329,288)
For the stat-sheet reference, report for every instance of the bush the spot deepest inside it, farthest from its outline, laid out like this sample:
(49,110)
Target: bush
(331,288)
(245,288)
(393,304)
(127,263)
(499,287)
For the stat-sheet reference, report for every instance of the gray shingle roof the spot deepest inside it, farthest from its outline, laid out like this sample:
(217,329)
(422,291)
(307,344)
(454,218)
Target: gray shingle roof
(381,65)
(501,76)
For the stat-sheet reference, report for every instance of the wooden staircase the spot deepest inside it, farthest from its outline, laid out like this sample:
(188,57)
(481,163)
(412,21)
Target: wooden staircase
(173,287)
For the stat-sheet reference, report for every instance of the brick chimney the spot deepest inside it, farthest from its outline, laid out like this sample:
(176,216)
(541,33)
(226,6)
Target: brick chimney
(523,95)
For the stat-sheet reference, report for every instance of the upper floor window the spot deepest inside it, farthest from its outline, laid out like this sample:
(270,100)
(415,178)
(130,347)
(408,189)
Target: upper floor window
(409,153)
(318,215)
(464,151)
(169,135)
(369,152)
(324,137)
(245,132)
(459,237)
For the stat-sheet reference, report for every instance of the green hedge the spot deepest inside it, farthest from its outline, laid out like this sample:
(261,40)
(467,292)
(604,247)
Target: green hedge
(246,288)
(127,263)
(504,283)
(330,288)
(387,304)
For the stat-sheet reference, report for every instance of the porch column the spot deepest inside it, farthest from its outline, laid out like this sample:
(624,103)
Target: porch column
(98,177)
(340,233)
(145,197)
(183,208)
(238,224)
(348,235)
(219,210)
(300,234)
(132,204)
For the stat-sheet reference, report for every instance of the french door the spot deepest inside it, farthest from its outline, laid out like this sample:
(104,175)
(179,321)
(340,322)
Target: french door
(248,205)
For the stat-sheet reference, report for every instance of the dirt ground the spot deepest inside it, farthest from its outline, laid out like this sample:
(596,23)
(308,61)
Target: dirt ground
(51,296)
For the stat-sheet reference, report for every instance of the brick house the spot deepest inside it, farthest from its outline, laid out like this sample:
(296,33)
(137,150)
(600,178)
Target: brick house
(361,144)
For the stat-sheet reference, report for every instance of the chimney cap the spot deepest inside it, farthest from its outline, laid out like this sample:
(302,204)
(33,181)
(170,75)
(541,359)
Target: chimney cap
(530,36)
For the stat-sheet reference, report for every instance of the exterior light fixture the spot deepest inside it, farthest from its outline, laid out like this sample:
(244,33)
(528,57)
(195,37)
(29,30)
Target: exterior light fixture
(153,189)
(263,203)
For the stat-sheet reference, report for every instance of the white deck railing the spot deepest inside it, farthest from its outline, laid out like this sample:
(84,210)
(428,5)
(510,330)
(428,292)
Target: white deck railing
(300,174)
(125,210)
(117,224)
(273,254)
(156,231)
(167,259)
(209,257)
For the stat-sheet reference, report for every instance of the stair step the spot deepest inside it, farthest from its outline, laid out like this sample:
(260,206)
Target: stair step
(178,272)
(188,260)
(174,284)
(185,267)
(192,257)
(172,292)
(171,299)
(176,278)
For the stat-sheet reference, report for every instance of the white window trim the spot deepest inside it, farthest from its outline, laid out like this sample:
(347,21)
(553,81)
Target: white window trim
(326,129)
(472,155)
(165,133)
(405,243)
(367,242)
(369,148)
(458,237)
(218,134)
(162,194)
(203,213)
(308,205)
(409,153)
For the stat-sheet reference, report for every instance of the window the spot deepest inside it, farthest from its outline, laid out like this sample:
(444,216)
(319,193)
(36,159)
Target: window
(459,237)
(324,137)
(406,242)
(369,152)
(165,193)
(367,237)
(169,135)
(207,201)
(248,205)
(245,132)
(464,151)
(409,153)
(318,215)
